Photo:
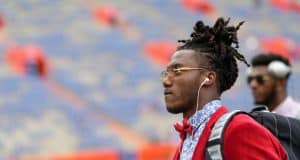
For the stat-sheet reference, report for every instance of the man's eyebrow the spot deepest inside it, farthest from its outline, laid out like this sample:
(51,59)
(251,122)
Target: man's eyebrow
(175,65)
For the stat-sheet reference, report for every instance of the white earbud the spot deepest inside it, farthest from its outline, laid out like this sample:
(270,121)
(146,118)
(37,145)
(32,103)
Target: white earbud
(279,69)
(200,86)
(204,81)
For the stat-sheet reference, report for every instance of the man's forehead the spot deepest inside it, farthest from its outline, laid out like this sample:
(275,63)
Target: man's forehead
(183,53)
(183,57)
(259,70)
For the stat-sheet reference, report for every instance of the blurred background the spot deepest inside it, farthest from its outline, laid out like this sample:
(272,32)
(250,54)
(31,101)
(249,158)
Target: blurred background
(80,79)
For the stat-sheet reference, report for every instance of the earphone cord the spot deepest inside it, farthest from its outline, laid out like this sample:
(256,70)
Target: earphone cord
(198,96)
(198,99)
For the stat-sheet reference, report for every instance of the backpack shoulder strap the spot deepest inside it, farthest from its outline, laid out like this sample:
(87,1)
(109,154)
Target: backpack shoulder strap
(214,150)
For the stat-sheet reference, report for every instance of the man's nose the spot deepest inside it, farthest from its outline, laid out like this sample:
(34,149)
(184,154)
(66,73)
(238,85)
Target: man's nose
(167,81)
(253,84)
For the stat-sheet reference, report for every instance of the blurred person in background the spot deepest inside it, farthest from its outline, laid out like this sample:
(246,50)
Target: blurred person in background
(199,72)
(267,78)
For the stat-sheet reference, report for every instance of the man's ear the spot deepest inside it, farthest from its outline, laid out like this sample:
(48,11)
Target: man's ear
(211,76)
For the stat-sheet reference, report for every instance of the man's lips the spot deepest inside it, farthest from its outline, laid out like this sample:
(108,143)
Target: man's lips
(256,94)
(167,92)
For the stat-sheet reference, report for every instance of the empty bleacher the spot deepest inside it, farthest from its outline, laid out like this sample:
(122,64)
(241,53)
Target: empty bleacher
(104,80)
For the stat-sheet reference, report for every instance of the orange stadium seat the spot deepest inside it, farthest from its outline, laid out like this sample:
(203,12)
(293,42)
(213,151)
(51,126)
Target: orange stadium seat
(106,154)
(156,151)
(159,51)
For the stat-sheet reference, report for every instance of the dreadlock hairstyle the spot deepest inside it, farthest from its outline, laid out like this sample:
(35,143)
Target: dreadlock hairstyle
(215,43)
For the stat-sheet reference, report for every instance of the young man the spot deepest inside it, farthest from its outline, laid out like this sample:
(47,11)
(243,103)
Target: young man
(199,72)
(267,79)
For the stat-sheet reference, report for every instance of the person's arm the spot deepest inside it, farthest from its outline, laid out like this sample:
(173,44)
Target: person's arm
(246,139)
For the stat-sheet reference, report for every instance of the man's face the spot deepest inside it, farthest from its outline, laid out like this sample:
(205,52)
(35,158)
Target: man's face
(262,85)
(180,89)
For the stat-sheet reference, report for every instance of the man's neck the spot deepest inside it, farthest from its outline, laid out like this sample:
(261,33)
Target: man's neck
(277,100)
(201,103)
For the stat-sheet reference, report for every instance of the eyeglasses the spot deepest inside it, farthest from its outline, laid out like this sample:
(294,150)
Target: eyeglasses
(260,79)
(176,71)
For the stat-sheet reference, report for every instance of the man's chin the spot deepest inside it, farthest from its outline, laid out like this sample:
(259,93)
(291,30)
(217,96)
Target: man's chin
(258,102)
(173,110)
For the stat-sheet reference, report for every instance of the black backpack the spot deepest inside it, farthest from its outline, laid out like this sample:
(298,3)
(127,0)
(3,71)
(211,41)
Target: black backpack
(286,129)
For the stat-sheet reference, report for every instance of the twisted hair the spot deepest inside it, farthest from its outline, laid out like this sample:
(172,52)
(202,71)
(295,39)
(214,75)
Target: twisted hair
(215,43)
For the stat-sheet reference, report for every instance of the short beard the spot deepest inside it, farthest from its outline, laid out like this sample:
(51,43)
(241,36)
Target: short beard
(268,100)
(174,110)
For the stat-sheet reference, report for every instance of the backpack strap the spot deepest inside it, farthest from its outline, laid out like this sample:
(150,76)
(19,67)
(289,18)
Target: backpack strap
(214,149)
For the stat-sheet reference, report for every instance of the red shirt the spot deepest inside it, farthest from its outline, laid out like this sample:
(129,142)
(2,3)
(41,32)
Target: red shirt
(244,138)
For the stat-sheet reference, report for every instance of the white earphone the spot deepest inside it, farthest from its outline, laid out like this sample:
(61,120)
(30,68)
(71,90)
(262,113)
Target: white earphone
(279,69)
(200,86)
(204,81)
